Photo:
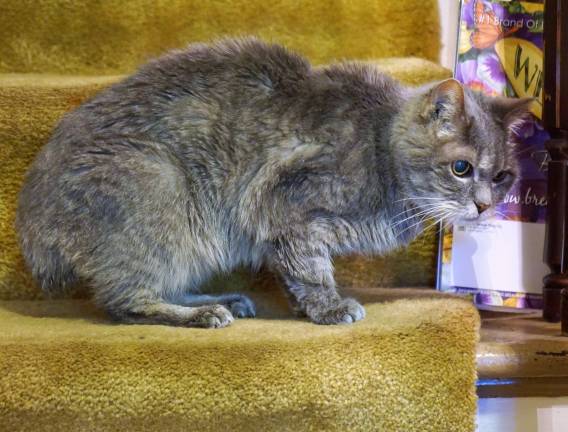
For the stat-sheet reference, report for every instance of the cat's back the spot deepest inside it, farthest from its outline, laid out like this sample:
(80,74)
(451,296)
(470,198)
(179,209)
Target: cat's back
(244,60)
(204,86)
(218,80)
(225,70)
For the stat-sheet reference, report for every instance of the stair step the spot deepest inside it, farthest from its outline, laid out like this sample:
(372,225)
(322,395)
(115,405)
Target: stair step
(521,355)
(409,366)
(113,36)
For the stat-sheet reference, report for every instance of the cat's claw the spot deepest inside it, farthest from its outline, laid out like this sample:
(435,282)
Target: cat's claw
(346,311)
(355,312)
(215,316)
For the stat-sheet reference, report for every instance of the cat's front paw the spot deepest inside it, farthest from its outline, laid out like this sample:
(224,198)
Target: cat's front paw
(212,316)
(345,311)
(242,307)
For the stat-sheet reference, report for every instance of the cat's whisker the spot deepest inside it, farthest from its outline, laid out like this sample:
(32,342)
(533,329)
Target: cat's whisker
(440,223)
(406,210)
(408,228)
(506,211)
(423,207)
(417,223)
(425,204)
(437,218)
(503,215)
(431,206)
(418,198)
(412,216)
(434,213)
(422,212)
(436,222)
(440,217)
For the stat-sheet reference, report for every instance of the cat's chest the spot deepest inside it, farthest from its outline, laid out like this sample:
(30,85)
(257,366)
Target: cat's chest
(374,235)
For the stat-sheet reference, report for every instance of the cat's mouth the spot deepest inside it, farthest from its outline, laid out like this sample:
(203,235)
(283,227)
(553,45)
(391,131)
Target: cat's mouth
(474,215)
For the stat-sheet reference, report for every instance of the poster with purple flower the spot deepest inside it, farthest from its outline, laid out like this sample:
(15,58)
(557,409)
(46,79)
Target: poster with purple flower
(500,53)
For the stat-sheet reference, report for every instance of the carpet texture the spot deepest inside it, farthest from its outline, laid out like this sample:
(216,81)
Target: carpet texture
(115,36)
(409,366)
(30,106)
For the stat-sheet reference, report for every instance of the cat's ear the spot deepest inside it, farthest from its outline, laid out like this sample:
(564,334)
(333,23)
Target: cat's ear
(512,112)
(447,101)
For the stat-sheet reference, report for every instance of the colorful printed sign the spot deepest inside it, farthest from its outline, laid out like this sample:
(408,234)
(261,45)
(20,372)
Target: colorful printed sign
(499,262)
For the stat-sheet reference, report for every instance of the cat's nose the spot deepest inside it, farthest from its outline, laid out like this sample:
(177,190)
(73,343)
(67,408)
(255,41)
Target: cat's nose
(481,207)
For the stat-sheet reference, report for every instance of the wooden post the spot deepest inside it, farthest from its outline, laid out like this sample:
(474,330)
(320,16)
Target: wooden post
(555,120)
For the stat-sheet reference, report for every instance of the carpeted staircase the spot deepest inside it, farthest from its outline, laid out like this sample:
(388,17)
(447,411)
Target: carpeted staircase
(409,366)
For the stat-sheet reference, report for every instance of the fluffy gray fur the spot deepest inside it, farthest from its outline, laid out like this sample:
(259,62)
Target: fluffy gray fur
(241,153)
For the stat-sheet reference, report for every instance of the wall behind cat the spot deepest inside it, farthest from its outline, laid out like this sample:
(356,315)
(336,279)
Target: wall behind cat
(449,13)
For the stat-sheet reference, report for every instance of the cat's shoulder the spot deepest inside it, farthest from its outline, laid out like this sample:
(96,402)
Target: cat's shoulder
(362,83)
(247,57)
(251,49)
(358,73)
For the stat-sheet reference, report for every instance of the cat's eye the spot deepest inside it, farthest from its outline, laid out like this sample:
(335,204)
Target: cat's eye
(462,168)
(501,175)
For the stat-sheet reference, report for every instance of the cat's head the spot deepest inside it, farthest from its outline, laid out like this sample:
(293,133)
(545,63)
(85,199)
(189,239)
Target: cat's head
(455,150)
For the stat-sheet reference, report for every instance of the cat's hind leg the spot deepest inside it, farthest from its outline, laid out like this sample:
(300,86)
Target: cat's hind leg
(146,311)
(240,305)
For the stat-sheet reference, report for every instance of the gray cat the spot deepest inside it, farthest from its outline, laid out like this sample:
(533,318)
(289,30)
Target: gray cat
(241,153)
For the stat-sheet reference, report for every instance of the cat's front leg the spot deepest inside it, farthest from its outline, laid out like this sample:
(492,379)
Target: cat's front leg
(308,274)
